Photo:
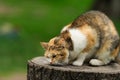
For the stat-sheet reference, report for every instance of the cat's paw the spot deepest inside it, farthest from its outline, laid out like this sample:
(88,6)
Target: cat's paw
(77,63)
(96,62)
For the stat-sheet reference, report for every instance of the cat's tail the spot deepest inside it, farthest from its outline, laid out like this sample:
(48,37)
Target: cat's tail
(118,56)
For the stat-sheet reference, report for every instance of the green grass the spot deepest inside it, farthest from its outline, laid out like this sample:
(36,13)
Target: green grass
(37,21)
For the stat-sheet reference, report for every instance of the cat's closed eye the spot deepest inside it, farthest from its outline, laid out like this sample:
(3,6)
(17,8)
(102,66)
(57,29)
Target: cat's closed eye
(61,55)
(53,56)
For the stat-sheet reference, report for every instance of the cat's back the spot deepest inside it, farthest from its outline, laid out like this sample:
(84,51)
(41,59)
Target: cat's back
(91,18)
(97,20)
(97,23)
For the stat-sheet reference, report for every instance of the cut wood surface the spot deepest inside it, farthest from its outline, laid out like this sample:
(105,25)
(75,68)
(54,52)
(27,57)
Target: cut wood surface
(39,69)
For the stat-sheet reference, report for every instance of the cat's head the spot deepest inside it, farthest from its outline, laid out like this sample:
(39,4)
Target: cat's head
(56,50)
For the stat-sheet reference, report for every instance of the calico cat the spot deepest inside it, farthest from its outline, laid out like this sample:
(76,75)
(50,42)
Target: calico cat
(90,37)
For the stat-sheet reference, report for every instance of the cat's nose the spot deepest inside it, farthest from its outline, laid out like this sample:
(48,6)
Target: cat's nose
(50,62)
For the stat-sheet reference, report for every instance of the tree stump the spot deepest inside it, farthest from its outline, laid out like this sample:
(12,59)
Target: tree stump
(39,69)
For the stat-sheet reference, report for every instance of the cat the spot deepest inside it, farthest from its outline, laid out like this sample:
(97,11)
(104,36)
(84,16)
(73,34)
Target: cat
(90,37)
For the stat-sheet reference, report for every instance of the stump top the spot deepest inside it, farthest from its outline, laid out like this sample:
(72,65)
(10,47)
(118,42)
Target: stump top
(113,68)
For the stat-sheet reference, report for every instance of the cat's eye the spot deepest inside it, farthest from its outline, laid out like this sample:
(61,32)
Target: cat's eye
(53,56)
(61,55)
(61,47)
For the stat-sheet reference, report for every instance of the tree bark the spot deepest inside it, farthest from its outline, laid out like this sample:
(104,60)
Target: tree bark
(39,69)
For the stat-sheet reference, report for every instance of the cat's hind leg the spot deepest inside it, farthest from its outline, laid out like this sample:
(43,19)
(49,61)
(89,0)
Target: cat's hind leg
(102,59)
(103,55)
(107,52)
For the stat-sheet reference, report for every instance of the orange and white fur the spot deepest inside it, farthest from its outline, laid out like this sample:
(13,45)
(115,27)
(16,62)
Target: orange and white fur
(91,37)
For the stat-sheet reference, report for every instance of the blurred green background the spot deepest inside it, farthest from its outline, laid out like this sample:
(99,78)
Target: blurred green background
(24,23)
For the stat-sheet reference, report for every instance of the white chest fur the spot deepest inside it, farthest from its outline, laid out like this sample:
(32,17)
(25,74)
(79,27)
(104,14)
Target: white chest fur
(79,42)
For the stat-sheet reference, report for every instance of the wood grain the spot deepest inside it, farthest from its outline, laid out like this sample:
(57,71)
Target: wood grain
(39,69)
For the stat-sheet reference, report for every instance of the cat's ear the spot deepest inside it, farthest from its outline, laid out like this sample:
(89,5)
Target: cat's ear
(44,45)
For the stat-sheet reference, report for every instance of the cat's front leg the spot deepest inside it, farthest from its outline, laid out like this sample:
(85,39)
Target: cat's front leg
(80,59)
